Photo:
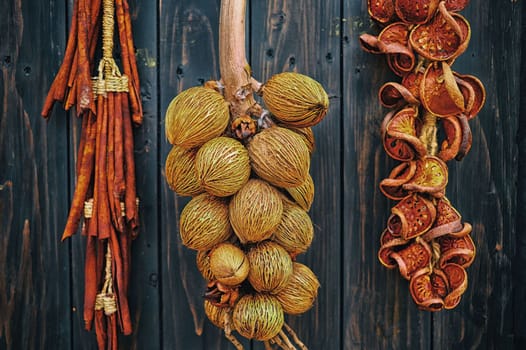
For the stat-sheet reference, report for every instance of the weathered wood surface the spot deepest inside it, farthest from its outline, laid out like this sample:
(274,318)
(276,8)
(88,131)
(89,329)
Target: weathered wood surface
(361,305)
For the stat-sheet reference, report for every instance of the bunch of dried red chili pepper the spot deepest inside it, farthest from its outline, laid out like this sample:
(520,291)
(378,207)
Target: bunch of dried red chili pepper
(105,192)
(425,237)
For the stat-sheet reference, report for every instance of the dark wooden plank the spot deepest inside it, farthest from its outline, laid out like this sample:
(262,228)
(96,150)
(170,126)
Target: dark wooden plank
(304,36)
(483,185)
(188,57)
(144,283)
(519,273)
(34,266)
(377,307)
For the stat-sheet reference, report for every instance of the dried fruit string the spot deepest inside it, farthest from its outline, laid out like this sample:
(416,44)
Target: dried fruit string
(247,170)
(425,237)
(105,191)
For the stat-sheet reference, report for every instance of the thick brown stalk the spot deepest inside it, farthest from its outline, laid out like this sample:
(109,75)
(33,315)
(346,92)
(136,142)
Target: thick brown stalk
(103,209)
(130,194)
(84,179)
(90,281)
(235,71)
(120,283)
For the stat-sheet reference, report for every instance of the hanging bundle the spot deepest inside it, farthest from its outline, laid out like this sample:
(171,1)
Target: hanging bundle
(425,236)
(105,192)
(251,222)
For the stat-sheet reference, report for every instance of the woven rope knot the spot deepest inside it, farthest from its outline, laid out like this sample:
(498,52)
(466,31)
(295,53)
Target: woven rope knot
(88,208)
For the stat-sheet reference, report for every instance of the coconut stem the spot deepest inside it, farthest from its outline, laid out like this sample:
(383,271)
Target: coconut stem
(294,336)
(235,71)
(429,133)
(228,332)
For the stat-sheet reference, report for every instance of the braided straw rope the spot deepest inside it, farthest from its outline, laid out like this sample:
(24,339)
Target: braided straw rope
(109,78)
(106,299)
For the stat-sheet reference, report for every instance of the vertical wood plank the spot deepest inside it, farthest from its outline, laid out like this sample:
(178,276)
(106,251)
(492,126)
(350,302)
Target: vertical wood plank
(144,283)
(304,36)
(378,310)
(188,57)
(483,185)
(34,266)
(519,274)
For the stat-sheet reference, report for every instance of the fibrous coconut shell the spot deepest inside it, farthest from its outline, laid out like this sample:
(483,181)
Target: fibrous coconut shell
(229,264)
(222,165)
(303,195)
(203,265)
(279,156)
(295,230)
(180,172)
(295,99)
(308,137)
(258,316)
(195,116)
(204,222)
(270,267)
(300,292)
(255,211)
(216,314)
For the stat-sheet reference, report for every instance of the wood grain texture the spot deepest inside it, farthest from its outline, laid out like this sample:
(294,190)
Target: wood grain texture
(34,267)
(483,185)
(519,273)
(361,304)
(188,57)
(378,310)
(286,36)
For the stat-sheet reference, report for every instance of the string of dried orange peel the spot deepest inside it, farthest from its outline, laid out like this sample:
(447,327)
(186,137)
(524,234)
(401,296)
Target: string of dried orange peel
(425,237)
(247,170)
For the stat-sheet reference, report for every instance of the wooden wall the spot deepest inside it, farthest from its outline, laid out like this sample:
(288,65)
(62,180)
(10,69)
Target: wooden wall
(361,305)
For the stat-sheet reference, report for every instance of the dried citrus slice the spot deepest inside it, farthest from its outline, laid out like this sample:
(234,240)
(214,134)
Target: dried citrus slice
(401,174)
(416,215)
(400,56)
(389,244)
(381,11)
(412,82)
(439,92)
(400,133)
(430,177)
(415,11)
(393,95)
(424,293)
(460,251)
(474,94)
(448,220)
(452,138)
(458,283)
(467,137)
(456,5)
(445,37)
(412,258)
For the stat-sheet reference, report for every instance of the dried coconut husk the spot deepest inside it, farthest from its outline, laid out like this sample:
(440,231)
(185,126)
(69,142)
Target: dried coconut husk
(258,316)
(180,172)
(295,99)
(270,267)
(295,231)
(303,195)
(279,156)
(308,137)
(204,222)
(203,265)
(195,116)
(222,165)
(229,264)
(216,314)
(300,292)
(255,211)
